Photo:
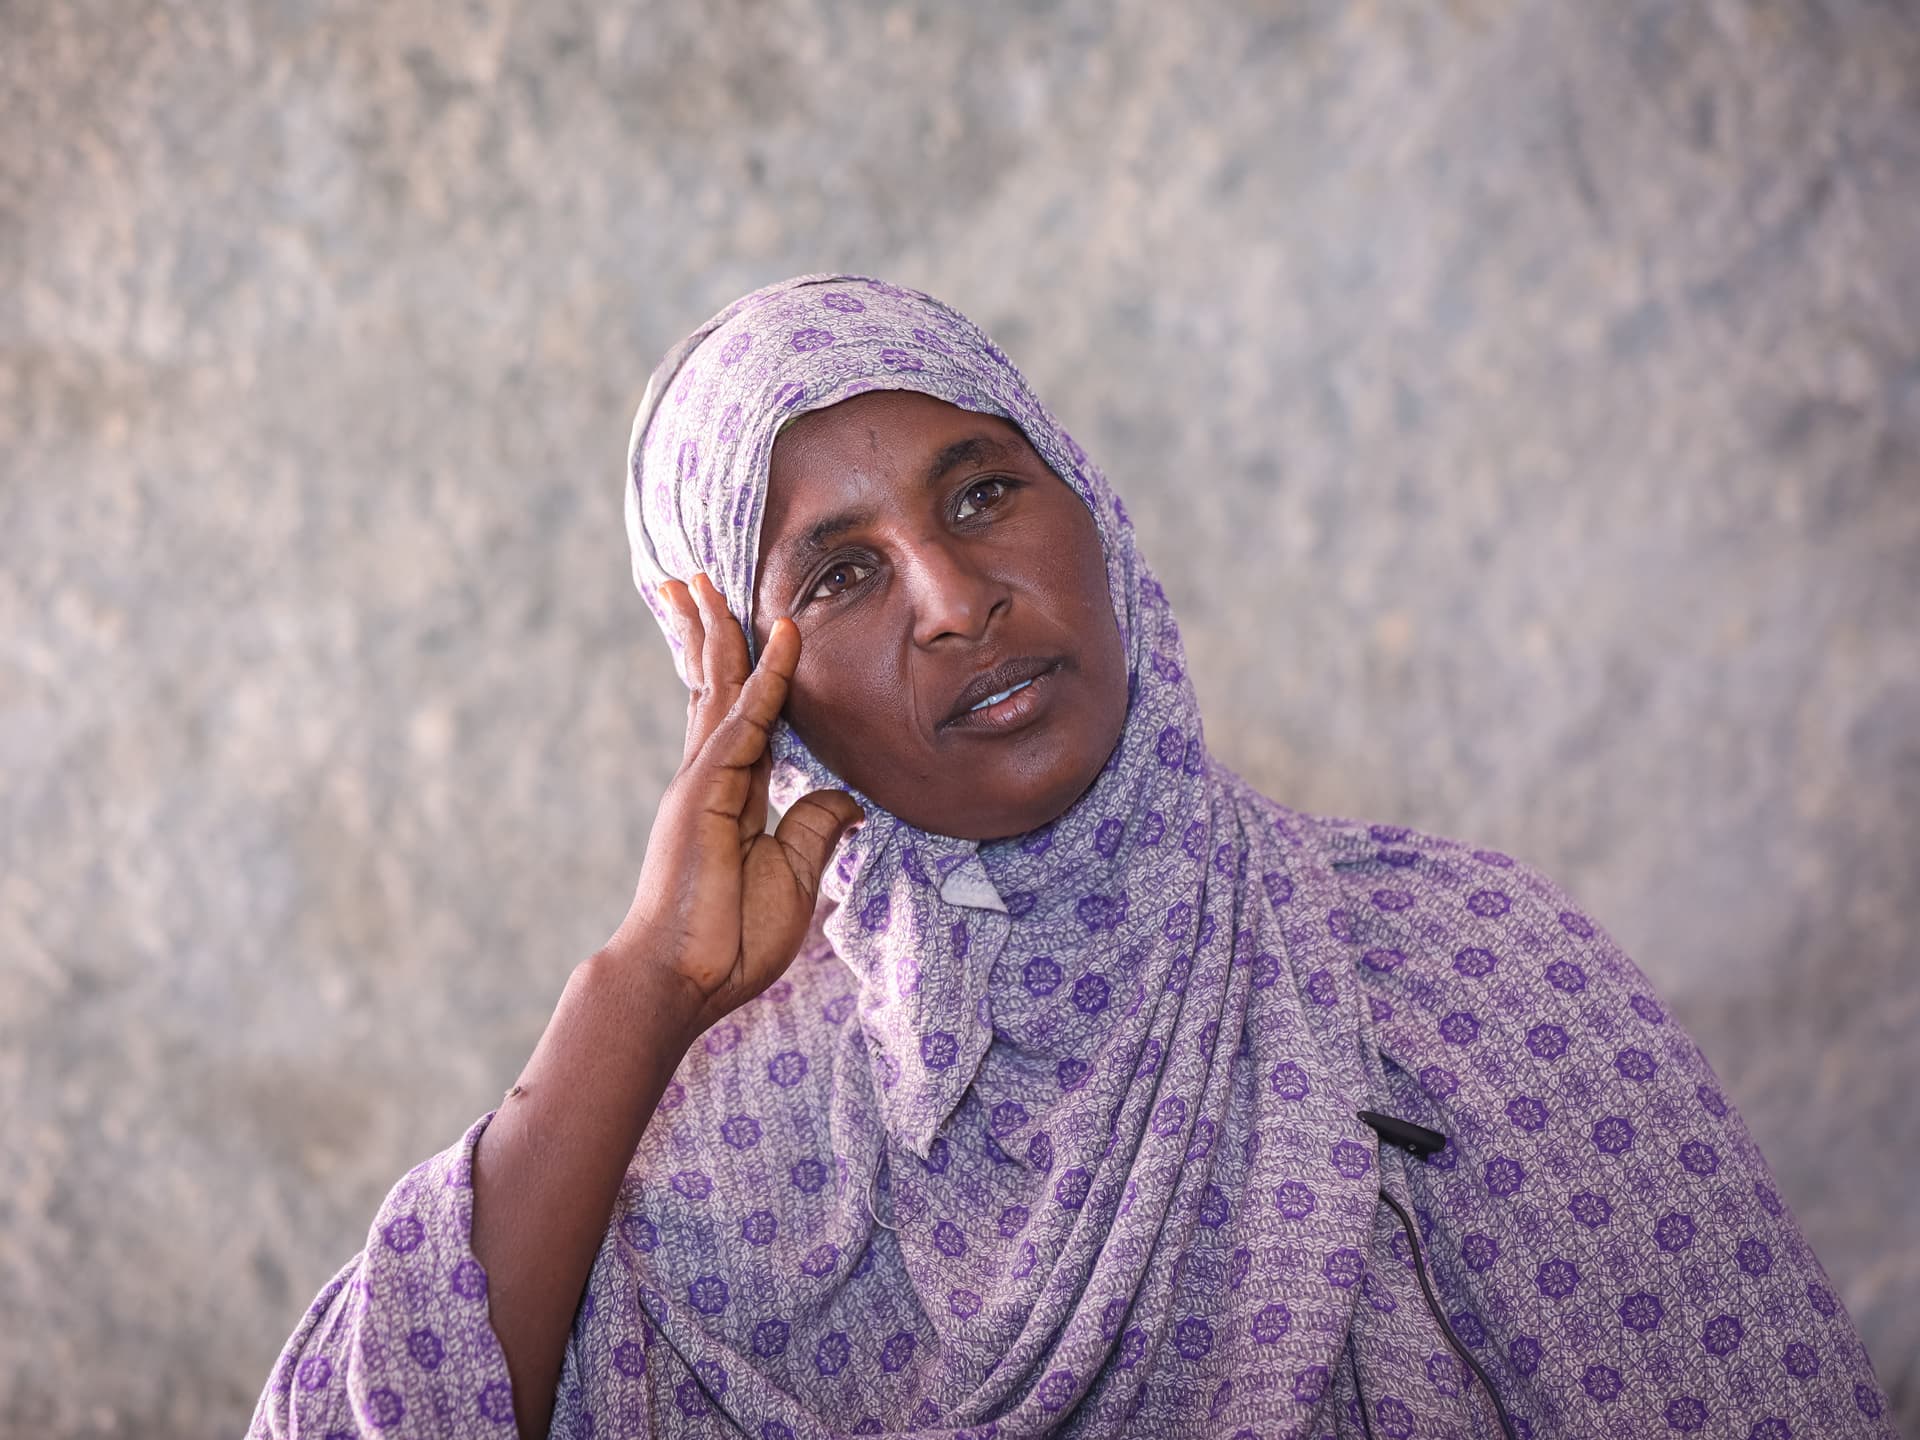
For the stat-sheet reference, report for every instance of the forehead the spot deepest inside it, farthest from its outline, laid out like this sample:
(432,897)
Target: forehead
(882,432)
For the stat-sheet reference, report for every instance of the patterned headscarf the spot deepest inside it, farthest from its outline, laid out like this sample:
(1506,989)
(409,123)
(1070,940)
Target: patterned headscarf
(922,918)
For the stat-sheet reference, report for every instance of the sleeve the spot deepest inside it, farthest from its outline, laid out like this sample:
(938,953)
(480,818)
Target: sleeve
(399,1344)
(1602,1220)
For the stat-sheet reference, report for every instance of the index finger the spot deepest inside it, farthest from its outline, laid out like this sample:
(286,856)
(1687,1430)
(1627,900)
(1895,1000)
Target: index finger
(782,652)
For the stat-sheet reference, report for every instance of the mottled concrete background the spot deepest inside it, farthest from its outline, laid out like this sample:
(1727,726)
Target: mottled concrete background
(1521,402)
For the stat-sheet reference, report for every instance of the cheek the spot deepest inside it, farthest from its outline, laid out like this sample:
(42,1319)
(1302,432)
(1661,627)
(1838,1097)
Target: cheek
(810,698)
(1092,589)
(1107,662)
(1089,556)
(842,701)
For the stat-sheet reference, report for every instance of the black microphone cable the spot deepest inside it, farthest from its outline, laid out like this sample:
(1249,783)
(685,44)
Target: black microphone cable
(1419,1141)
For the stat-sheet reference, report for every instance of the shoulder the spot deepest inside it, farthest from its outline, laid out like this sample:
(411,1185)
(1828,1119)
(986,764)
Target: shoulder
(1394,868)
(1445,919)
(1463,904)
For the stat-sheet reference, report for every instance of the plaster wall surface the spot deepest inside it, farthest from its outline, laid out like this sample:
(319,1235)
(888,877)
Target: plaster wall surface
(1520,401)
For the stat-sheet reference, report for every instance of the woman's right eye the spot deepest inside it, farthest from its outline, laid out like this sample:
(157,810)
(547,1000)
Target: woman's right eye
(837,580)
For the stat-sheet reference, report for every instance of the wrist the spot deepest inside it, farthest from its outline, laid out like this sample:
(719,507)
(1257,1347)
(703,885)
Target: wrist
(666,1004)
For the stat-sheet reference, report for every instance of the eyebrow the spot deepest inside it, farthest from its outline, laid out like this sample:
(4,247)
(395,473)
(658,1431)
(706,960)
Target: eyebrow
(819,537)
(975,449)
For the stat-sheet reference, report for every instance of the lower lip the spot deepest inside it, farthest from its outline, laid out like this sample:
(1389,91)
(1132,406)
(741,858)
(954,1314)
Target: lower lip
(1018,709)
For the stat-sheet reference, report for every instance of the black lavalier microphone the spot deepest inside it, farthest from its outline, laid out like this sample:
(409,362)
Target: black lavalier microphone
(1412,1138)
(1425,1143)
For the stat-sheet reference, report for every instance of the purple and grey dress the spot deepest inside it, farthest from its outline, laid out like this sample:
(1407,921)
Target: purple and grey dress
(1060,1135)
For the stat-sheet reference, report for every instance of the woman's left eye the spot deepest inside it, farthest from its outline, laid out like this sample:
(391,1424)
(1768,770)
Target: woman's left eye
(980,495)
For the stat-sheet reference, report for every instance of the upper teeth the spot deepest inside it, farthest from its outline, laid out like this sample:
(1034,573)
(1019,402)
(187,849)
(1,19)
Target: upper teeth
(996,699)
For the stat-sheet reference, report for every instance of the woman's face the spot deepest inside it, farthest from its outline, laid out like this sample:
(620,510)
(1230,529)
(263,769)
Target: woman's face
(933,561)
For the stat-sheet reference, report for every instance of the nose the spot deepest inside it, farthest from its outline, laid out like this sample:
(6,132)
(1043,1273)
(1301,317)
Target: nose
(952,596)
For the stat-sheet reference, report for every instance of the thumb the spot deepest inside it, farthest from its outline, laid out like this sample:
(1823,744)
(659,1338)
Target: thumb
(811,828)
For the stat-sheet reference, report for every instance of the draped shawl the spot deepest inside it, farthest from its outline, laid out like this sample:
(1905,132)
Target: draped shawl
(1059,1134)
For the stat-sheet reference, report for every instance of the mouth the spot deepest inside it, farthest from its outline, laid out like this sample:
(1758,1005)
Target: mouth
(988,693)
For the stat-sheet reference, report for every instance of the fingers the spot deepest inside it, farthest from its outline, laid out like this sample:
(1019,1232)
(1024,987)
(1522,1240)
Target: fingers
(724,647)
(689,633)
(753,819)
(740,736)
(733,706)
(810,830)
(758,708)
(714,651)
(689,636)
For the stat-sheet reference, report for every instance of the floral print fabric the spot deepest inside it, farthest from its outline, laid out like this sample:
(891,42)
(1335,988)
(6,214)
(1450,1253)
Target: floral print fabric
(1059,1135)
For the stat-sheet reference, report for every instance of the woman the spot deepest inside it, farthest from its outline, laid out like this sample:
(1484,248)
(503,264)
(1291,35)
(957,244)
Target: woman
(1105,1096)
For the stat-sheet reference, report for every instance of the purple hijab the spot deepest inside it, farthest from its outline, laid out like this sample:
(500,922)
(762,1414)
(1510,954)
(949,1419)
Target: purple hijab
(1060,1135)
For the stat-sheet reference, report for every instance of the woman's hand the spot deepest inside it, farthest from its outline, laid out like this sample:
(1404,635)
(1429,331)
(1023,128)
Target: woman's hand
(719,913)
(722,904)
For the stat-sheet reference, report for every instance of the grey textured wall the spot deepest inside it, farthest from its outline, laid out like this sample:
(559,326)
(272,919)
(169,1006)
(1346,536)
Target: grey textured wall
(1521,402)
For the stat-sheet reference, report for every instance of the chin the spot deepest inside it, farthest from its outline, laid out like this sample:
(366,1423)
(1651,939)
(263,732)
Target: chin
(1040,795)
(1034,807)
(972,815)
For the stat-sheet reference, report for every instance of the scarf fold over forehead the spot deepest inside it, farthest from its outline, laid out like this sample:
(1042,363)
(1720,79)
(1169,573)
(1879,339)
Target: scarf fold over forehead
(921,918)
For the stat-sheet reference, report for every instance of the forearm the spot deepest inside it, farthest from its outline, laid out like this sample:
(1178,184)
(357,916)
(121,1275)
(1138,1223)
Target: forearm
(410,1291)
(549,1166)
